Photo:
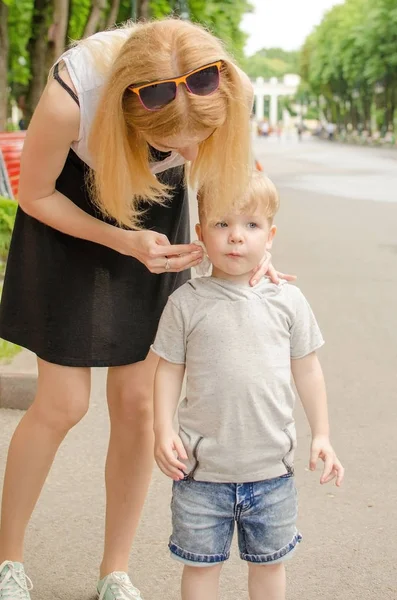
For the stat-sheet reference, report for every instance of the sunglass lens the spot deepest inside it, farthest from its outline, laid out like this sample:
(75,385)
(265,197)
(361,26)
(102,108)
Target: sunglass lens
(156,96)
(204,82)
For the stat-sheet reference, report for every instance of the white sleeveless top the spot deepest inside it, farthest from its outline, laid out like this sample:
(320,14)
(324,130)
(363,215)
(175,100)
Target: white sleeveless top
(89,83)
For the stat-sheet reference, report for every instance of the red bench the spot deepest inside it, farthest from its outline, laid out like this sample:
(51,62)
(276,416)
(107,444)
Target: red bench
(11,145)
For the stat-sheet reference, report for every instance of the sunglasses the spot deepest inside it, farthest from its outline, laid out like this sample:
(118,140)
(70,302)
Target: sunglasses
(200,82)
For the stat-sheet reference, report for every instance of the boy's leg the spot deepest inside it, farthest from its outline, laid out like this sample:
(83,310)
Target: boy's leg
(266,582)
(267,534)
(200,583)
(203,525)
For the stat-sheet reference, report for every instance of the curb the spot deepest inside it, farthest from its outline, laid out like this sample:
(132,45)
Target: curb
(17,390)
(18,381)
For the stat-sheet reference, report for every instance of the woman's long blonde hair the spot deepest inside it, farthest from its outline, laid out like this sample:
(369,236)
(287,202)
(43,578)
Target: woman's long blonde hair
(122,180)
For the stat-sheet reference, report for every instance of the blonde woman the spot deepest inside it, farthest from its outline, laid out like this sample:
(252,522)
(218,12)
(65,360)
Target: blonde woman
(101,239)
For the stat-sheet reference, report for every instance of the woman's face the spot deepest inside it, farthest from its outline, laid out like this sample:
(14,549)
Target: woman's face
(184,144)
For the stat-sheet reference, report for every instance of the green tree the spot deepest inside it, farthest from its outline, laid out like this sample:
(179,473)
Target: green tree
(349,62)
(4,52)
(35,32)
(271,62)
(223,18)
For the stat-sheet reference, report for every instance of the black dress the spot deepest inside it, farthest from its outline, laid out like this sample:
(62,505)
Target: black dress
(77,303)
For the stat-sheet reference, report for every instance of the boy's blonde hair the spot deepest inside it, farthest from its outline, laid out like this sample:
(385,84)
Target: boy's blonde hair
(156,50)
(261,195)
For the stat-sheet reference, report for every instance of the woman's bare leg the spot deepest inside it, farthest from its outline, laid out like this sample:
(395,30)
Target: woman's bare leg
(62,399)
(129,462)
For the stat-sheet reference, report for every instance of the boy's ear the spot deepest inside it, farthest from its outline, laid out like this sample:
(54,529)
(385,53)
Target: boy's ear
(198,232)
(270,237)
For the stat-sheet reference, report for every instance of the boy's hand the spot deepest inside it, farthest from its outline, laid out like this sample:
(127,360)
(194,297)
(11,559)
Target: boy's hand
(168,449)
(321,448)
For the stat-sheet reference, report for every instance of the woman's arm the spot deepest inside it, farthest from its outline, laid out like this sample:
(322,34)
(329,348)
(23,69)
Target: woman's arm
(266,268)
(54,126)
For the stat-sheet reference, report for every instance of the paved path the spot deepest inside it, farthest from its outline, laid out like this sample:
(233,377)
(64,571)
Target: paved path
(337,231)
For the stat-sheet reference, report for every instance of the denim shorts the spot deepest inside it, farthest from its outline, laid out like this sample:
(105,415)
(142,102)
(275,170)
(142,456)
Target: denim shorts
(204,516)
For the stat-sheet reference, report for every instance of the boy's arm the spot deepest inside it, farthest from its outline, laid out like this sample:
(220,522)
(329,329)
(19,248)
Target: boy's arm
(168,445)
(309,381)
(310,384)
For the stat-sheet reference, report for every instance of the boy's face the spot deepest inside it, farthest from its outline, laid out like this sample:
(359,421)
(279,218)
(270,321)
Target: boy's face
(236,243)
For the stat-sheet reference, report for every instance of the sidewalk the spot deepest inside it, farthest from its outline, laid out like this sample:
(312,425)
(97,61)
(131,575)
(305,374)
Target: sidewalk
(18,381)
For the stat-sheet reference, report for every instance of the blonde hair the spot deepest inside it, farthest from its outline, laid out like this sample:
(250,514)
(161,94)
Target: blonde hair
(122,178)
(261,194)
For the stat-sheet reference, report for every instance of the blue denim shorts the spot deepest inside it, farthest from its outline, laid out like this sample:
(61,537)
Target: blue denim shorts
(204,516)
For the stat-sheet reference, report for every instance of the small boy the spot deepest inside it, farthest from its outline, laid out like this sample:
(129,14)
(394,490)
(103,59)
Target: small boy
(232,462)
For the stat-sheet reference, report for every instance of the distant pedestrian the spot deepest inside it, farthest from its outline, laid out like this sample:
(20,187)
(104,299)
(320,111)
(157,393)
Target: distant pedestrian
(264,128)
(331,130)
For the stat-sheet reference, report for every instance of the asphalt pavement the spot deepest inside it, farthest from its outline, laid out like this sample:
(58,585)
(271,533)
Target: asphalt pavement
(337,230)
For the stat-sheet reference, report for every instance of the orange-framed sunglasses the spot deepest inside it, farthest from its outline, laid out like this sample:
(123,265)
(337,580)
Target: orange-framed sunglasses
(200,82)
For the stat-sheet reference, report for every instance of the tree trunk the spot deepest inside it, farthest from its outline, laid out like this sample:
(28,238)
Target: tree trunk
(352,116)
(367,103)
(393,105)
(390,106)
(98,6)
(386,113)
(58,30)
(112,16)
(67,39)
(347,112)
(336,113)
(4,47)
(37,48)
(181,8)
(143,9)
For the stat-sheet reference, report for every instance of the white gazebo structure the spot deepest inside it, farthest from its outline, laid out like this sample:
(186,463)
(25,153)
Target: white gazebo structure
(273,88)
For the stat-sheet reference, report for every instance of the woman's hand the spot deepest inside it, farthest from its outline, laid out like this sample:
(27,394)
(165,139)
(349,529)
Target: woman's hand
(265,267)
(156,253)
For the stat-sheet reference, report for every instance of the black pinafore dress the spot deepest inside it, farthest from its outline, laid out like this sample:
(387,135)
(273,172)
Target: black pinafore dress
(76,303)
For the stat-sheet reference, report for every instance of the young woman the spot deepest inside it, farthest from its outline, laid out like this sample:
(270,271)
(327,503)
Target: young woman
(101,239)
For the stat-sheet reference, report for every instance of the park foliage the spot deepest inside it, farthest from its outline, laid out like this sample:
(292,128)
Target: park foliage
(33,33)
(349,65)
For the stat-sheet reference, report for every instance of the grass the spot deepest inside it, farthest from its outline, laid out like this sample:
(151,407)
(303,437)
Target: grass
(8,210)
(7,350)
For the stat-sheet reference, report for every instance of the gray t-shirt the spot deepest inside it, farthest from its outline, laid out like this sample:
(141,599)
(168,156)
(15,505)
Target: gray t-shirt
(237,342)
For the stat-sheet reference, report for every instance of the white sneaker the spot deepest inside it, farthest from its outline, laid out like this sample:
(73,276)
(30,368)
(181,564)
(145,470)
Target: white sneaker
(117,586)
(14,584)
